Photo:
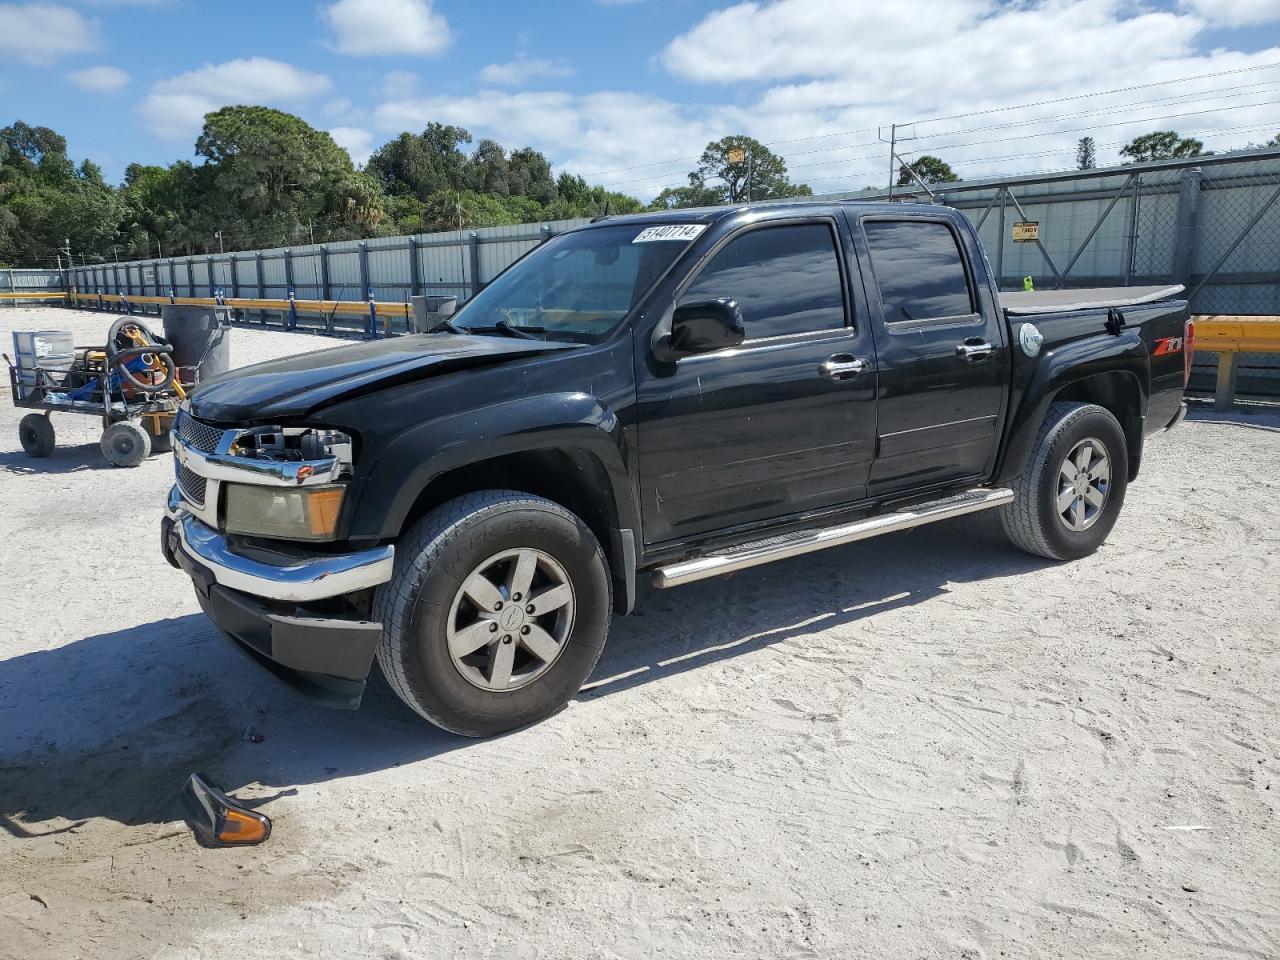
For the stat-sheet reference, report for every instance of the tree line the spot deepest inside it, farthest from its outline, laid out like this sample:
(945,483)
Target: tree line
(265,178)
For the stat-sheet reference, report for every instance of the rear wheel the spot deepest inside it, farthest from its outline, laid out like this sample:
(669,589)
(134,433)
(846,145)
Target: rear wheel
(35,432)
(1069,494)
(496,614)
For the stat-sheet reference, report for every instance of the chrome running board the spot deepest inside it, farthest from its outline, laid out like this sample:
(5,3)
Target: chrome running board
(806,541)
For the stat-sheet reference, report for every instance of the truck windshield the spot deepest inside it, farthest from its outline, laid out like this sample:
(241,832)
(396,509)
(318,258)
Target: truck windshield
(577,286)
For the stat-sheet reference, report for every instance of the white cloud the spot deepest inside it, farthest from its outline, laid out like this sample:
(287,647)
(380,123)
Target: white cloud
(41,33)
(1234,13)
(356,141)
(364,28)
(521,70)
(176,107)
(101,79)
(815,78)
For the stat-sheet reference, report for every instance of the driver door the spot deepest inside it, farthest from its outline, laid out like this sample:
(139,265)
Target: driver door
(769,428)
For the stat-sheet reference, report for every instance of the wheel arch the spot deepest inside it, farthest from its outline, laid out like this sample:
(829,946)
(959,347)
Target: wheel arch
(567,448)
(1118,384)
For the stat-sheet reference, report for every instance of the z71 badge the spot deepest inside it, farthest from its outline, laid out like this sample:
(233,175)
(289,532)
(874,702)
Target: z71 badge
(1167,345)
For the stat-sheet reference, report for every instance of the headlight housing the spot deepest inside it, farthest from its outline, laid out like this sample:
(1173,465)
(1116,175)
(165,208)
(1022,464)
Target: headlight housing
(285,513)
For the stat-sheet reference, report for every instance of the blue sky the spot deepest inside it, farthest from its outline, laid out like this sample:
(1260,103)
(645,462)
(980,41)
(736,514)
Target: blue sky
(629,92)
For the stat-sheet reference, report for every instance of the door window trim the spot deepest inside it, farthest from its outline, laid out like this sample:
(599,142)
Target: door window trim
(752,343)
(973,318)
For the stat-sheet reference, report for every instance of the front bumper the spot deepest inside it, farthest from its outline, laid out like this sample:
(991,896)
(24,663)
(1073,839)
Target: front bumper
(261,605)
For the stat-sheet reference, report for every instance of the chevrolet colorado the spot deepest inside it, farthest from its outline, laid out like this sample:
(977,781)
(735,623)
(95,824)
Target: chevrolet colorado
(678,395)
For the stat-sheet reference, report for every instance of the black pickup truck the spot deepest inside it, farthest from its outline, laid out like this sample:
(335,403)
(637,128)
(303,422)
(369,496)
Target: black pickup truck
(677,395)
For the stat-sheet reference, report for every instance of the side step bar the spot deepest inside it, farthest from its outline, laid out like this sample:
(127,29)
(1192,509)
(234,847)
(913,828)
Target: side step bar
(807,541)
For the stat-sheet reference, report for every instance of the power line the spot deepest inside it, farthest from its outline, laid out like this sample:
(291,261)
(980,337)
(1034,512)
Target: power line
(957,116)
(1100,93)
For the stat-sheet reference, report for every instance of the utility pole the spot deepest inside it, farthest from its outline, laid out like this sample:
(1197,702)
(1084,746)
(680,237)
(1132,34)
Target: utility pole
(218,234)
(159,250)
(893,154)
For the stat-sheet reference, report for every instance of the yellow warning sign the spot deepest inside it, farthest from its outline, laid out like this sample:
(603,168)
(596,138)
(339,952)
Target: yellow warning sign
(736,155)
(1026,231)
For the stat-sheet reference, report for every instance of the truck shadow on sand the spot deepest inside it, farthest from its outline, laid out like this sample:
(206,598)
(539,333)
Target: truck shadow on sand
(110,726)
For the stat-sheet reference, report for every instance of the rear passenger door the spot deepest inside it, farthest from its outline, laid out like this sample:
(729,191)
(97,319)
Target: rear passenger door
(943,359)
(778,425)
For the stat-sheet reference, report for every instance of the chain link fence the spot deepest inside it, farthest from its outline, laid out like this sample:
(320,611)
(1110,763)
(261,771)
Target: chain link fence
(1210,223)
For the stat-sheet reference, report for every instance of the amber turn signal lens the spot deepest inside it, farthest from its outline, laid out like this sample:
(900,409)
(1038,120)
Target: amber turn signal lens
(322,510)
(238,827)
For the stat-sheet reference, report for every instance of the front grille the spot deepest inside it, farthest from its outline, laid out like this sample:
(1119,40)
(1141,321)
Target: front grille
(202,436)
(192,485)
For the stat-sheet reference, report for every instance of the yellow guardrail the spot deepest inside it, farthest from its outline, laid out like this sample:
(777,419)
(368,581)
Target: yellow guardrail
(1228,337)
(333,307)
(33,294)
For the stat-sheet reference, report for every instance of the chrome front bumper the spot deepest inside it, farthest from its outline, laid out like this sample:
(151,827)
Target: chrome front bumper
(297,578)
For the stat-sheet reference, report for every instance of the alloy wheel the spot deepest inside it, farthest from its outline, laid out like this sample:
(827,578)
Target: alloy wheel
(510,619)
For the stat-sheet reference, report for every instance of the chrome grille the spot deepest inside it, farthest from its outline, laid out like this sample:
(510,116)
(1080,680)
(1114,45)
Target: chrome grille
(192,485)
(202,436)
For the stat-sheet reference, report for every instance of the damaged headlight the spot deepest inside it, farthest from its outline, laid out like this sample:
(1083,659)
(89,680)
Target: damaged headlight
(286,513)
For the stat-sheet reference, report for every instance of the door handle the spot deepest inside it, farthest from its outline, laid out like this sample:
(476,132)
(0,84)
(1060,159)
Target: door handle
(974,350)
(842,366)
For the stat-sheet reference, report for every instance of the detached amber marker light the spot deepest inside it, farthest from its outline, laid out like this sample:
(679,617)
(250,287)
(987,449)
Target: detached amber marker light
(219,821)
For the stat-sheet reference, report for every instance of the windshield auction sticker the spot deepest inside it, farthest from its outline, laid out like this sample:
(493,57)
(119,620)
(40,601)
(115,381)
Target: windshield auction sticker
(675,231)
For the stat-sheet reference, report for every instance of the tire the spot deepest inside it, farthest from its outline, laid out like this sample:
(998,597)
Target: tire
(35,432)
(1034,521)
(126,444)
(490,534)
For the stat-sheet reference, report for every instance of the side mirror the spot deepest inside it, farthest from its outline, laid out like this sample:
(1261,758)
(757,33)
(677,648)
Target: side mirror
(702,327)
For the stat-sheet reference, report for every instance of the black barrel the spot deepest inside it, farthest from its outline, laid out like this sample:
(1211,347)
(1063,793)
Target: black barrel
(201,339)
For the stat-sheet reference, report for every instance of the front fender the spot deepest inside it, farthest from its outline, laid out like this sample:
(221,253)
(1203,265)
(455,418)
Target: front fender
(1059,368)
(573,422)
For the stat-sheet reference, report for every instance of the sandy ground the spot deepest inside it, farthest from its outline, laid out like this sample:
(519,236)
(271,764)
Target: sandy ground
(927,745)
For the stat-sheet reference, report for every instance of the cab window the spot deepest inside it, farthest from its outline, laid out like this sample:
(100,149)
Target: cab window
(786,279)
(919,270)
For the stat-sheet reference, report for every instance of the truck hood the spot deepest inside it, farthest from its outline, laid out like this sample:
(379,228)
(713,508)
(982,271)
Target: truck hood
(295,386)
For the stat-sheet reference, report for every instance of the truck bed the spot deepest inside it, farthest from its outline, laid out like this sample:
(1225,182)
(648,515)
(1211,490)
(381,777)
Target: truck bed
(1062,301)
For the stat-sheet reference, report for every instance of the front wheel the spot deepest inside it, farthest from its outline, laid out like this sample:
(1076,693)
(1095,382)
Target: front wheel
(1069,494)
(125,443)
(496,614)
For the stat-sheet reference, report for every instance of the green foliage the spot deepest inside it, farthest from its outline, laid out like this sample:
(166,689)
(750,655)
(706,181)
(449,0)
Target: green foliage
(267,178)
(1161,145)
(731,170)
(1086,154)
(928,168)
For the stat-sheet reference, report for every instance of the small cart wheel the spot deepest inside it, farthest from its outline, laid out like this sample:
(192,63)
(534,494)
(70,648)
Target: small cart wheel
(36,433)
(126,444)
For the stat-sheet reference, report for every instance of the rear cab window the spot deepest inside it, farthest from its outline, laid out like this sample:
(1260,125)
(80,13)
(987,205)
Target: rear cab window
(919,270)
(785,278)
